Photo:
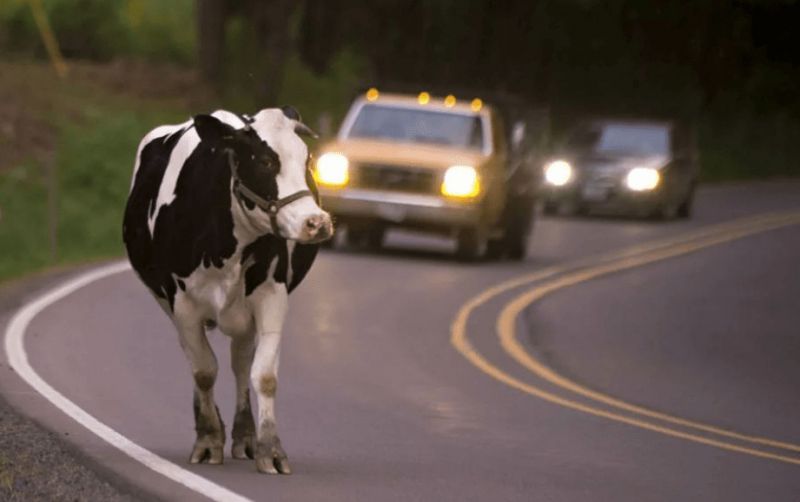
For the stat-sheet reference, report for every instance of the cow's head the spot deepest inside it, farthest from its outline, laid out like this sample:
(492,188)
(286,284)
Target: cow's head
(269,163)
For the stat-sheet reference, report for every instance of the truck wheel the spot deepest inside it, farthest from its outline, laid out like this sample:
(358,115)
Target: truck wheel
(374,238)
(495,249)
(369,238)
(472,244)
(550,208)
(355,237)
(517,247)
(518,228)
(665,212)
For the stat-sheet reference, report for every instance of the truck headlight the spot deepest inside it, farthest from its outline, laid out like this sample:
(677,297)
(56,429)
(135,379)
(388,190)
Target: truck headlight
(333,169)
(461,181)
(558,173)
(640,179)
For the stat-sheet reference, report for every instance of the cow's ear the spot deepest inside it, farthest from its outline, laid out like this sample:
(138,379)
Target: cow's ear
(290,112)
(212,130)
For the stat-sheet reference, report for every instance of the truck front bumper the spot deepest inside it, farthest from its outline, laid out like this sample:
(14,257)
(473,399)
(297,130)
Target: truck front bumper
(400,209)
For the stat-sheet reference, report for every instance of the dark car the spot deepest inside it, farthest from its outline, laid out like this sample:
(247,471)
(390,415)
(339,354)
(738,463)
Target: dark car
(644,168)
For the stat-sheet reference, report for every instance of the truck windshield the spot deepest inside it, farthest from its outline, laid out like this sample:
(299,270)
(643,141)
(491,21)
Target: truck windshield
(632,139)
(411,125)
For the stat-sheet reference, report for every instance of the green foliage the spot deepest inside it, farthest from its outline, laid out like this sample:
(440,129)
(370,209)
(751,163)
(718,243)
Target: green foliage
(742,146)
(23,224)
(161,31)
(88,29)
(97,132)
(330,92)
(100,30)
(95,162)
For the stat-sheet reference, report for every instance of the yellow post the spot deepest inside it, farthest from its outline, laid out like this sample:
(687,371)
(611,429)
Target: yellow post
(48,38)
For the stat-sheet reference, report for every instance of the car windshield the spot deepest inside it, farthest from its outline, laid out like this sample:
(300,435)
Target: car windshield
(632,139)
(412,125)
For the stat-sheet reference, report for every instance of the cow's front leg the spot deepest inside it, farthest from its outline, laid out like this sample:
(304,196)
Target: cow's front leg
(208,424)
(269,316)
(244,427)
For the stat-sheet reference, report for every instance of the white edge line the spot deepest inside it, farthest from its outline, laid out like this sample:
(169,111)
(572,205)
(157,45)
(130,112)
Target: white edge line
(18,359)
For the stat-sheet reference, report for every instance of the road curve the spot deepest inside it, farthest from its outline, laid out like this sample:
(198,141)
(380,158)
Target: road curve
(375,403)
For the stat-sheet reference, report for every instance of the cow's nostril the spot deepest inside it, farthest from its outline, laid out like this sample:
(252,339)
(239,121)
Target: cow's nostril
(313,223)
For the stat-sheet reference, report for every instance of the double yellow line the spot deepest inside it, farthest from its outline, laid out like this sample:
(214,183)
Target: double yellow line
(590,269)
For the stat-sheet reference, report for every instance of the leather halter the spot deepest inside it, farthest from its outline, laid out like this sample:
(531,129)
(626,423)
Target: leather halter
(269,206)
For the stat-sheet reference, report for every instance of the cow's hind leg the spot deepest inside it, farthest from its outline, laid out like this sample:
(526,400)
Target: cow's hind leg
(208,424)
(244,427)
(273,301)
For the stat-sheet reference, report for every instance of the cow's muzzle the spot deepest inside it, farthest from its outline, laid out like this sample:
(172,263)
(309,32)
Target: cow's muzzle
(317,228)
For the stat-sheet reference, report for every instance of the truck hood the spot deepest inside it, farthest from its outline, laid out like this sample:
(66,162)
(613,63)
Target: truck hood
(403,154)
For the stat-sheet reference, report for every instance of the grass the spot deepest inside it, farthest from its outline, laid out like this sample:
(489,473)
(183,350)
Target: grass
(90,125)
(96,132)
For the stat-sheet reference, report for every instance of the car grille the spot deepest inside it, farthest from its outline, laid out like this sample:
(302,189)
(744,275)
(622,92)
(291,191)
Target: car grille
(601,175)
(396,178)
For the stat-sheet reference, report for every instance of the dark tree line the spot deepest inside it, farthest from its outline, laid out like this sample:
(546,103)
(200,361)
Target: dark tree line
(266,41)
(596,53)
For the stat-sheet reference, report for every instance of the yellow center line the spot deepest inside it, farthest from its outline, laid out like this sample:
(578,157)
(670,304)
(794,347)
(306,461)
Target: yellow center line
(620,261)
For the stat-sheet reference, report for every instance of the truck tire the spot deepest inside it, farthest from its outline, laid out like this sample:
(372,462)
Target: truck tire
(370,238)
(550,208)
(518,228)
(471,244)
(495,249)
(517,247)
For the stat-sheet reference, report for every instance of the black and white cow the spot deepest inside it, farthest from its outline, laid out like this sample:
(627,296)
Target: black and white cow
(221,224)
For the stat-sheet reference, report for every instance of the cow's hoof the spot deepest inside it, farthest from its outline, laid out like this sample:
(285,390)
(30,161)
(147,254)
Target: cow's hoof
(270,465)
(272,460)
(204,453)
(243,448)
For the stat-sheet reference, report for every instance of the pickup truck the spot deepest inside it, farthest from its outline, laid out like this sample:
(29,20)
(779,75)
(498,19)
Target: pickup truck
(431,164)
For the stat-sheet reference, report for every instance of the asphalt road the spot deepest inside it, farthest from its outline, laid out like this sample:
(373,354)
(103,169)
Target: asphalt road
(376,402)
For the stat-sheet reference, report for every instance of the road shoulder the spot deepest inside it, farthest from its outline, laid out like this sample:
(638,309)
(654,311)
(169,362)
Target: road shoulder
(37,463)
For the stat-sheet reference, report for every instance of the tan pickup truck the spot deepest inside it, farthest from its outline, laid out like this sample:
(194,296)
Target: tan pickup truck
(427,163)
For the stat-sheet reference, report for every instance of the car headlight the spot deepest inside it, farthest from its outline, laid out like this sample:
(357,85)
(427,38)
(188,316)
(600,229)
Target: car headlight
(461,181)
(642,178)
(333,169)
(558,173)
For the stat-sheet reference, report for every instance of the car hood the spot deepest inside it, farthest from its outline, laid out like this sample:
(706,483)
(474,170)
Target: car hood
(619,162)
(408,154)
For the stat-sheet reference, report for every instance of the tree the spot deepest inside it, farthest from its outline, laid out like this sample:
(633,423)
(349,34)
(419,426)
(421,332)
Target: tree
(211,16)
(266,42)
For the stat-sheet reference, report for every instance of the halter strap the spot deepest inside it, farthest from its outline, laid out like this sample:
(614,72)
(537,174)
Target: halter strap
(269,206)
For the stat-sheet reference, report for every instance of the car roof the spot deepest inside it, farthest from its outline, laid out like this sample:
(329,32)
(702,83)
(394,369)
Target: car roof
(461,106)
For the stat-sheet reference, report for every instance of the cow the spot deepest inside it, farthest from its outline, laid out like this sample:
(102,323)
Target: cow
(222,222)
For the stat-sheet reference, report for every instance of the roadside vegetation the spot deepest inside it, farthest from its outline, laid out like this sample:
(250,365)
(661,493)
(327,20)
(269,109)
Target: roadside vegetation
(136,63)
(87,126)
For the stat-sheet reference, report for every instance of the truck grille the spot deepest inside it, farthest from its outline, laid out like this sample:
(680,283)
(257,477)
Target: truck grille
(396,178)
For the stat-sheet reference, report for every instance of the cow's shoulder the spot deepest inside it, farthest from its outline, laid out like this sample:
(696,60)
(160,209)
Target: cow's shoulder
(178,217)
